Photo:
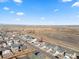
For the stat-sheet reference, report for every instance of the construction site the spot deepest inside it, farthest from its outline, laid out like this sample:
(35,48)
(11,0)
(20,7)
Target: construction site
(28,42)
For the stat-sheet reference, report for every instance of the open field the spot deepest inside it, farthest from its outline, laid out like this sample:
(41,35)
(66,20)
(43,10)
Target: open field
(65,36)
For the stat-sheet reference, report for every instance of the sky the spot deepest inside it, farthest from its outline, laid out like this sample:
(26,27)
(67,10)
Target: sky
(39,12)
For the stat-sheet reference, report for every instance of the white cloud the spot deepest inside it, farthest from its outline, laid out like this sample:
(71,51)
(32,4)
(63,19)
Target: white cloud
(3,1)
(6,8)
(76,4)
(42,18)
(55,10)
(12,12)
(77,16)
(18,19)
(20,13)
(18,1)
(66,0)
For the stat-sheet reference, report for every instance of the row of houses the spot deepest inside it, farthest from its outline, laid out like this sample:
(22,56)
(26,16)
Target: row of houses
(10,43)
(54,50)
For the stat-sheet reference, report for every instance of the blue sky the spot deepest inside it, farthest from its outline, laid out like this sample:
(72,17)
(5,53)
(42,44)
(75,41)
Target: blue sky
(39,12)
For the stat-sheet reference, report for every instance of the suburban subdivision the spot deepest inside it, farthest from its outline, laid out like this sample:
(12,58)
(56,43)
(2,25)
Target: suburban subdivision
(39,42)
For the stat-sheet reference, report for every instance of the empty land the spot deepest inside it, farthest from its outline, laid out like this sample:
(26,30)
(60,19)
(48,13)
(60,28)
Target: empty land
(65,36)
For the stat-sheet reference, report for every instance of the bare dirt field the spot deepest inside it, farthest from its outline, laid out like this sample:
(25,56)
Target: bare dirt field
(65,36)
